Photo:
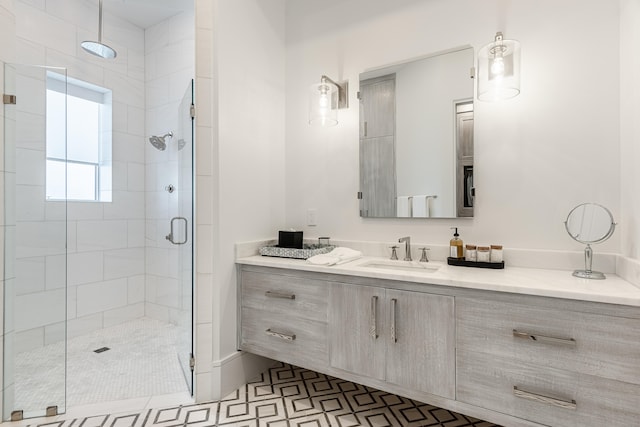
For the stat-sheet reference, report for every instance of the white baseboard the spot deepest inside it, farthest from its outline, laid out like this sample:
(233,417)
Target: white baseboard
(234,371)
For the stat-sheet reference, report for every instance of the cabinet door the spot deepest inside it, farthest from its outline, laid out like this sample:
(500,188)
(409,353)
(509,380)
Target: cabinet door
(357,342)
(421,342)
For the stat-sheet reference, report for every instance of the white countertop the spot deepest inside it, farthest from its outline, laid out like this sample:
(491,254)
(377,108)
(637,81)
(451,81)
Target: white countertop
(528,281)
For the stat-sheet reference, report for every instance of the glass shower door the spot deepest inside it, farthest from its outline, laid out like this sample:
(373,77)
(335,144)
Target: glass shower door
(185,190)
(35,248)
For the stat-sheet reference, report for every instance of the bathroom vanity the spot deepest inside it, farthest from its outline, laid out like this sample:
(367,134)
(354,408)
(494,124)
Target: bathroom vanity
(518,347)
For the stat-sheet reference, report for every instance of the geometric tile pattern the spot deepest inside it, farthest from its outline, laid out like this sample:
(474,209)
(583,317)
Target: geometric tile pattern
(289,396)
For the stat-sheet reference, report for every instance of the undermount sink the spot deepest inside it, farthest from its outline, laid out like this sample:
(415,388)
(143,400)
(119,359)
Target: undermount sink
(415,266)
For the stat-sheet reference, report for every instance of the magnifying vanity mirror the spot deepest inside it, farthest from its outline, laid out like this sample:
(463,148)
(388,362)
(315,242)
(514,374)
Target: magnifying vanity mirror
(416,138)
(589,223)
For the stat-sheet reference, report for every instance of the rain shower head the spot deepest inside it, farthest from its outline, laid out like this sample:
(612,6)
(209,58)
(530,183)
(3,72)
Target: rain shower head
(98,48)
(159,141)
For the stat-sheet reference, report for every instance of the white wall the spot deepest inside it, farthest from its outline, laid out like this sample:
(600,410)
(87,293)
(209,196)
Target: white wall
(536,156)
(240,126)
(630,126)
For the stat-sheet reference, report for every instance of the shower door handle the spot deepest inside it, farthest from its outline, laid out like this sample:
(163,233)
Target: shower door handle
(169,236)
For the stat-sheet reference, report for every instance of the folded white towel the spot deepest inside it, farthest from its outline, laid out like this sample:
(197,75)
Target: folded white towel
(335,257)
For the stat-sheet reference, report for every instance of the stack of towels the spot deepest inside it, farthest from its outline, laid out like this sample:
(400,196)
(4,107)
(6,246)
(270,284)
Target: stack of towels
(337,256)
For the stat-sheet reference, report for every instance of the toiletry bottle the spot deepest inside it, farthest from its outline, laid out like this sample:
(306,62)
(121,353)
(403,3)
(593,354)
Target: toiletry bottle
(455,245)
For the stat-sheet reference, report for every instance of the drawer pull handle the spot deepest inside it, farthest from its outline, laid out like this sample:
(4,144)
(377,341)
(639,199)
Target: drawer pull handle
(373,319)
(281,335)
(560,403)
(394,337)
(276,294)
(544,339)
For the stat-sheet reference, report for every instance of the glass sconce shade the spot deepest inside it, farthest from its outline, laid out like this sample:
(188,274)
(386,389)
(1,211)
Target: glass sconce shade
(499,70)
(323,109)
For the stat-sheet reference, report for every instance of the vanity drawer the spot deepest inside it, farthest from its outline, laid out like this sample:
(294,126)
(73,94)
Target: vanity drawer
(592,344)
(548,396)
(285,295)
(290,339)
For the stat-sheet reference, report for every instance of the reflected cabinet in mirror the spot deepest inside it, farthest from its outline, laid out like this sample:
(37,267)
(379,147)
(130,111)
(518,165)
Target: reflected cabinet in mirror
(416,138)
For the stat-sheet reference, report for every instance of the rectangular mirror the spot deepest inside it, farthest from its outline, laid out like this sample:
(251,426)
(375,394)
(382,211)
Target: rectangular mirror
(416,138)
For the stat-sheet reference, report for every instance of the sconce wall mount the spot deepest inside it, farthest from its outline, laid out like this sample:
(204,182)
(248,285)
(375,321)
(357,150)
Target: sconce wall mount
(325,99)
(499,69)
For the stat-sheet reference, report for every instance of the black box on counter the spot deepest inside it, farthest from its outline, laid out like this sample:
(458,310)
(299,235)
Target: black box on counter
(290,239)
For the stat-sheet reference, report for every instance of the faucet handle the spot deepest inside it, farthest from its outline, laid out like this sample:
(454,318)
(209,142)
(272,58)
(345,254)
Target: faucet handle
(424,258)
(394,254)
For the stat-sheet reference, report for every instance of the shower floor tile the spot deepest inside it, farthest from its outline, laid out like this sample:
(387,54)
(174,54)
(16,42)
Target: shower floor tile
(286,396)
(141,362)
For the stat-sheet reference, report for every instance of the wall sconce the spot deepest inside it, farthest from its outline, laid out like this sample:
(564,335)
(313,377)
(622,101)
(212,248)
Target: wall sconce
(325,98)
(499,70)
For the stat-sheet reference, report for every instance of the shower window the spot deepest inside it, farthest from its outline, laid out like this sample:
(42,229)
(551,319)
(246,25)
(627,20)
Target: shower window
(79,170)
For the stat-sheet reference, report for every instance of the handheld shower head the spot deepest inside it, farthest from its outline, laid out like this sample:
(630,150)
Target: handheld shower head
(159,141)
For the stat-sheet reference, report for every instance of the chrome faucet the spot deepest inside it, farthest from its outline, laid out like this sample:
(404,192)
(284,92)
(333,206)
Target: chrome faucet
(407,247)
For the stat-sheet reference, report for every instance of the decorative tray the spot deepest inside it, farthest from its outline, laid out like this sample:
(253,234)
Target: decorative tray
(464,263)
(307,251)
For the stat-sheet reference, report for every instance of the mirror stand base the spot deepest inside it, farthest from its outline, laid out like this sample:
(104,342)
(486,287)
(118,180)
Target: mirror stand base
(588,274)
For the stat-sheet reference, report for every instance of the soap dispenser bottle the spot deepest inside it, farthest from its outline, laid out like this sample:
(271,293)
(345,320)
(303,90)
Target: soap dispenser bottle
(455,245)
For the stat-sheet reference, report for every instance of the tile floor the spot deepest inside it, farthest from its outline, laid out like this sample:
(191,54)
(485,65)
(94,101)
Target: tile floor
(141,361)
(284,396)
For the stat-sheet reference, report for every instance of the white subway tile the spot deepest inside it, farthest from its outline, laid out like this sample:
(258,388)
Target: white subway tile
(85,267)
(40,238)
(204,244)
(84,210)
(135,122)
(30,131)
(125,205)
(157,261)
(123,314)
(127,147)
(101,235)
(30,275)
(102,296)
(56,271)
(54,333)
(156,312)
(135,174)
(135,233)
(204,338)
(136,289)
(30,167)
(168,292)
(124,89)
(28,340)
(123,263)
(83,325)
(39,309)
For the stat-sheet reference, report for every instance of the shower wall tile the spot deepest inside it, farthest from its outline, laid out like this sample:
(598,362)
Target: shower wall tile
(54,333)
(31,171)
(35,25)
(125,205)
(30,275)
(204,301)
(135,65)
(101,235)
(76,67)
(135,176)
(31,128)
(135,123)
(72,302)
(205,46)
(40,238)
(120,176)
(39,309)
(135,289)
(55,271)
(28,340)
(78,211)
(123,314)
(135,233)
(157,312)
(168,292)
(102,296)
(124,89)
(127,147)
(84,325)
(123,263)
(85,267)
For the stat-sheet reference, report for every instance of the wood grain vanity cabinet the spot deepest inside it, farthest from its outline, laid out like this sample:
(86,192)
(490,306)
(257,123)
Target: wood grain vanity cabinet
(555,367)
(401,337)
(515,360)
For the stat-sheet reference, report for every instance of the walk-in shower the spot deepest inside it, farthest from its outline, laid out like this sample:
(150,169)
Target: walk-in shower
(98,305)
(159,142)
